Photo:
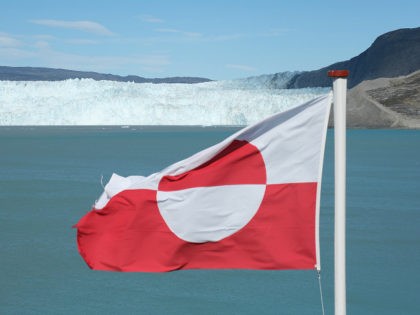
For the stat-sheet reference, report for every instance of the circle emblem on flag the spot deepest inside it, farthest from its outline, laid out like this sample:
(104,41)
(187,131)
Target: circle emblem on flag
(216,199)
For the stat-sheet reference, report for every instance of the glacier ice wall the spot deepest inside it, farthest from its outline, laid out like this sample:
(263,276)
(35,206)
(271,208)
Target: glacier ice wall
(89,102)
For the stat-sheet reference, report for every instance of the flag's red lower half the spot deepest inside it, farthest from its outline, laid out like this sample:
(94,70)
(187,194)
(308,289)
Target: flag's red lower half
(129,234)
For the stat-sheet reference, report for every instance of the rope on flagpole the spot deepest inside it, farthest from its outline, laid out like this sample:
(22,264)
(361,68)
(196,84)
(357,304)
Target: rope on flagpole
(320,292)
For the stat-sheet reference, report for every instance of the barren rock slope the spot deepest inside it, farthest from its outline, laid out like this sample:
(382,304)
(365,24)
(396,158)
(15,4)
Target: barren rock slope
(385,103)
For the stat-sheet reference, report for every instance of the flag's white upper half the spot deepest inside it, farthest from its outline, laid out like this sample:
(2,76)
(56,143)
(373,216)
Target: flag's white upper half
(291,144)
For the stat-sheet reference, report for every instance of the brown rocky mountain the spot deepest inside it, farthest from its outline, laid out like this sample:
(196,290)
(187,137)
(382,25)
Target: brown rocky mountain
(385,103)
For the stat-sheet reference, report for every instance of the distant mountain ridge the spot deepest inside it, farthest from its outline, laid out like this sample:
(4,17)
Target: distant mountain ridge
(50,74)
(391,55)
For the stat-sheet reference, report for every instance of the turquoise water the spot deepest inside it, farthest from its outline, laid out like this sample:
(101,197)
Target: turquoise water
(50,176)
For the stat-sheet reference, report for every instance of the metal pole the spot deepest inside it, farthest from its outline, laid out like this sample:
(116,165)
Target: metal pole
(339,90)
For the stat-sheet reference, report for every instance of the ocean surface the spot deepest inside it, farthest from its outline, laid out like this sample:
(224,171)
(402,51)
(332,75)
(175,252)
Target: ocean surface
(50,177)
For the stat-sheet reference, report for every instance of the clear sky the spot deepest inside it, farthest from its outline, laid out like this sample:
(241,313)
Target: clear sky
(217,39)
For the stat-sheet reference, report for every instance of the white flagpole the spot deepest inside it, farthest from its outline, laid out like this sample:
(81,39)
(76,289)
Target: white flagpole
(340,90)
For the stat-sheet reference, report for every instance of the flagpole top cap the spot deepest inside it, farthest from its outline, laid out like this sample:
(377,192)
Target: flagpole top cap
(338,73)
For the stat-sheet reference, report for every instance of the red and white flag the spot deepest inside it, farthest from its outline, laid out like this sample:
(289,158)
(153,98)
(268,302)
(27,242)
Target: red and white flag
(249,202)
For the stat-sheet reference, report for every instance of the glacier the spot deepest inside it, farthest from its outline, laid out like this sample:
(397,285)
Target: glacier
(89,102)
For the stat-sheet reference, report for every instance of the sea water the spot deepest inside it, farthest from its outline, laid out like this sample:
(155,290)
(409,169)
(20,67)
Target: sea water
(50,177)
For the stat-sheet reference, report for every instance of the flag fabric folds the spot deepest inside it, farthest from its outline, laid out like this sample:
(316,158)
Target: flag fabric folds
(248,202)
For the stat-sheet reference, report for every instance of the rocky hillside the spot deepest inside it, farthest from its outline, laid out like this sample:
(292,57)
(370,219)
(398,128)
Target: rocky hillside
(392,54)
(385,103)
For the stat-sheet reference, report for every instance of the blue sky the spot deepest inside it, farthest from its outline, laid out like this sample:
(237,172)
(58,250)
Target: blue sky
(213,39)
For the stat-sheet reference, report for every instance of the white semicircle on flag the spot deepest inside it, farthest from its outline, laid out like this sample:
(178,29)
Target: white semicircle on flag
(209,214)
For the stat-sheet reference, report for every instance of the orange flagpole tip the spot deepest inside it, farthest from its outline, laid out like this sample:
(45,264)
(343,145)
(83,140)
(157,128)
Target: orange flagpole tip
(338,73)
